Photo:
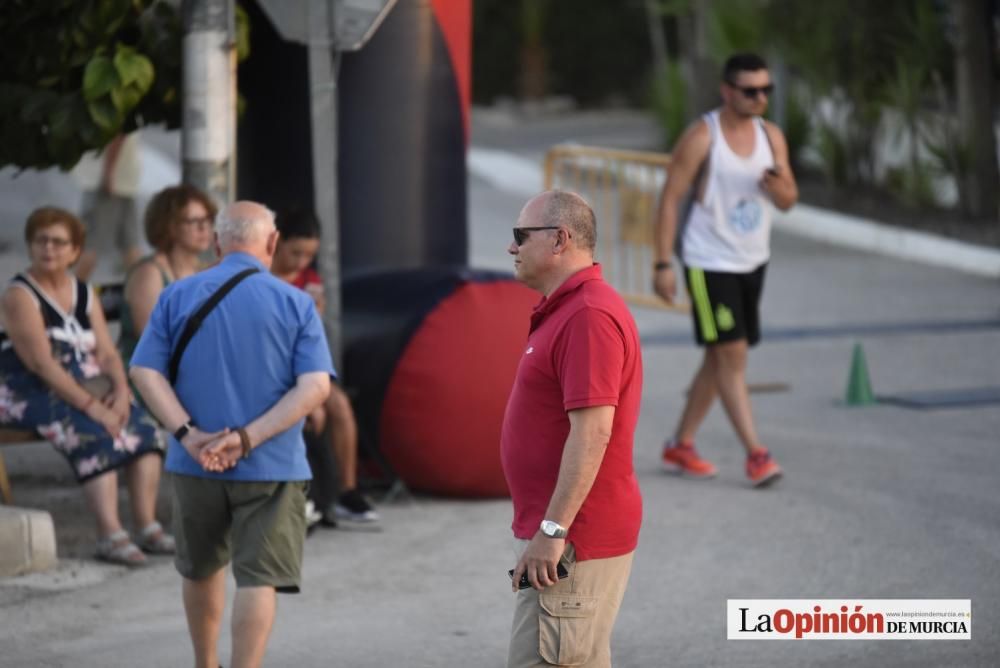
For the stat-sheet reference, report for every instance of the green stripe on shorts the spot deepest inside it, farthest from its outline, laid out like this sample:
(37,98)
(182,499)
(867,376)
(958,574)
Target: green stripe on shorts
(699,295)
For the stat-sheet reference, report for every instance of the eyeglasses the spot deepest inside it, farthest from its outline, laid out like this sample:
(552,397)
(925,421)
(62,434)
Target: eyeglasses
(752,92)
(521,233)
(204,221)
(58,243)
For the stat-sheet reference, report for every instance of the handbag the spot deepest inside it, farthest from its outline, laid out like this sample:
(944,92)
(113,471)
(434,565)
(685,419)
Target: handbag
(98,386)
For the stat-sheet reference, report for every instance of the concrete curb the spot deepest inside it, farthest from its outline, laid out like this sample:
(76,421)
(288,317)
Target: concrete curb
(868,235)
(516,175)
(505,171)
(27,541)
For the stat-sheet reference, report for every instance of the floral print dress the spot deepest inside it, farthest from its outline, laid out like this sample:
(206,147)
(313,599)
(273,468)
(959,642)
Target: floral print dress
(27,403)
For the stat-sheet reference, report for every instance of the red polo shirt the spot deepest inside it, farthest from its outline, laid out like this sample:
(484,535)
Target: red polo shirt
(582,351)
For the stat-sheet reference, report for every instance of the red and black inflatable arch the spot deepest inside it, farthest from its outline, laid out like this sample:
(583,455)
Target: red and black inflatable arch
(440,347)
(430,346)
(403,138)
(403,128)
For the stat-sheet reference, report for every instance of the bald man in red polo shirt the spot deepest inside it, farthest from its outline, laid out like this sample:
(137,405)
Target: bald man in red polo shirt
(566,444)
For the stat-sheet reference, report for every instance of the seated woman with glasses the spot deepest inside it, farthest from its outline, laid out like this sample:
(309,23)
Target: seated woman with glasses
(179,226)
(61,376)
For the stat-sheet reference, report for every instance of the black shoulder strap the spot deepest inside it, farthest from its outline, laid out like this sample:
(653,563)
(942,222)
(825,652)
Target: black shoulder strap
(19,278)
(194,321)
(701,174)
(767,136)
(50,316)
(684,211)
(82,304)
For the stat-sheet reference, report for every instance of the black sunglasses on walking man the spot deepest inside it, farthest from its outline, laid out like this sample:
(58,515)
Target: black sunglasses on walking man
(753,91)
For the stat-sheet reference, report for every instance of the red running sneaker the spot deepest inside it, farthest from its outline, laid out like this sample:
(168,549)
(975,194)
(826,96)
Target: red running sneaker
(683,459)
(761,468)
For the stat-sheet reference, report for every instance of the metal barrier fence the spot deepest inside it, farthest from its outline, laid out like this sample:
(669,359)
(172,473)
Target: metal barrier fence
(624,189)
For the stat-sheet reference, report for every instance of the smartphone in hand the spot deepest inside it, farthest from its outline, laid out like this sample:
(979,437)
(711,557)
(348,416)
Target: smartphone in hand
(523,583)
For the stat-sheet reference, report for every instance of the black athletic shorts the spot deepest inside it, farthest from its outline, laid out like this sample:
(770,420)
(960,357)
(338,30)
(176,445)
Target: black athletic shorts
(725,307)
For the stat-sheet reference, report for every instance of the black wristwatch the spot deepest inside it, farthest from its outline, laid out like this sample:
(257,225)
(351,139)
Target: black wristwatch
(183,430)
(661,265)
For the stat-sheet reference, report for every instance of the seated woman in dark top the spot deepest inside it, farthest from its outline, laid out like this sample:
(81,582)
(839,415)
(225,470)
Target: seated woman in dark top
(61,376)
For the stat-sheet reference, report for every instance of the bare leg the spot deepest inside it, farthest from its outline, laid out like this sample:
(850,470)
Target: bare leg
(204,604)
(102,499)
(316,420)
(343,437)
(699,400)
(253,616)
(143,477)
(730,372)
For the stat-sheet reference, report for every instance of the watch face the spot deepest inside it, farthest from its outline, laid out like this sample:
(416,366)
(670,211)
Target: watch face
(550,528)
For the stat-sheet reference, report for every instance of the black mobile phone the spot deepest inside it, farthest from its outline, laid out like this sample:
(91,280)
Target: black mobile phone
(523,582)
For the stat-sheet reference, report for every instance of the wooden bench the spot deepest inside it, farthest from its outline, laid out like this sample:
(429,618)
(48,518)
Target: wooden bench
(111,296)
(10,437)
(111,299)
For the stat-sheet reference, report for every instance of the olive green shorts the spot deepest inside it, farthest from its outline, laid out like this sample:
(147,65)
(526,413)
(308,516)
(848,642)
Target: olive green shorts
(259,526)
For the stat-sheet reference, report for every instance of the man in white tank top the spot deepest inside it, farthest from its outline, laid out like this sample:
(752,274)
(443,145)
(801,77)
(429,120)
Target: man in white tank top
(737,165)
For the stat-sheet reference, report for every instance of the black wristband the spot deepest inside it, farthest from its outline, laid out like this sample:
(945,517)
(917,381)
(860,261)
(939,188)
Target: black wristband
(661,265)
(183,430)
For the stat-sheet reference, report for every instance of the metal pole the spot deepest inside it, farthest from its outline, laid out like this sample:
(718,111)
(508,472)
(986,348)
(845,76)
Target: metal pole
(209,100)
(656,39)
(323,59)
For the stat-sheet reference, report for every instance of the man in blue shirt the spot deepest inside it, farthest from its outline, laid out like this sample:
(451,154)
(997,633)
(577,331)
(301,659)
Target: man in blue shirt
(255,368)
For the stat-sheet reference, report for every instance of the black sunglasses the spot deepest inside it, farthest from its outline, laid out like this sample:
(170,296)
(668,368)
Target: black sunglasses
(521,233)
(753,91)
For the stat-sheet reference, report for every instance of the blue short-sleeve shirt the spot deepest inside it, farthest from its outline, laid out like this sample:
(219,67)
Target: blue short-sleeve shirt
(246,355)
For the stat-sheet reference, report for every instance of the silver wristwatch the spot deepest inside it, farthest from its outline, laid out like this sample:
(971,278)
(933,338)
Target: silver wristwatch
(553,529)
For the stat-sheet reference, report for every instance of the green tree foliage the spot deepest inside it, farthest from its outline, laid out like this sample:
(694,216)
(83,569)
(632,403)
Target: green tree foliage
(735,25)
(595,50)
(597,54)
(870,56)
(668,99)
(495,43)
(797,127)
(75,73)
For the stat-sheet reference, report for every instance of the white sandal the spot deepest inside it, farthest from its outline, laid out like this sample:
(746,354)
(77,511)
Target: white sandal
(117,548)
(153,539)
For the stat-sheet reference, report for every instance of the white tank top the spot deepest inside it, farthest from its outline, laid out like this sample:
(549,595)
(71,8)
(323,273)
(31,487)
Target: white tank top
(730,228)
